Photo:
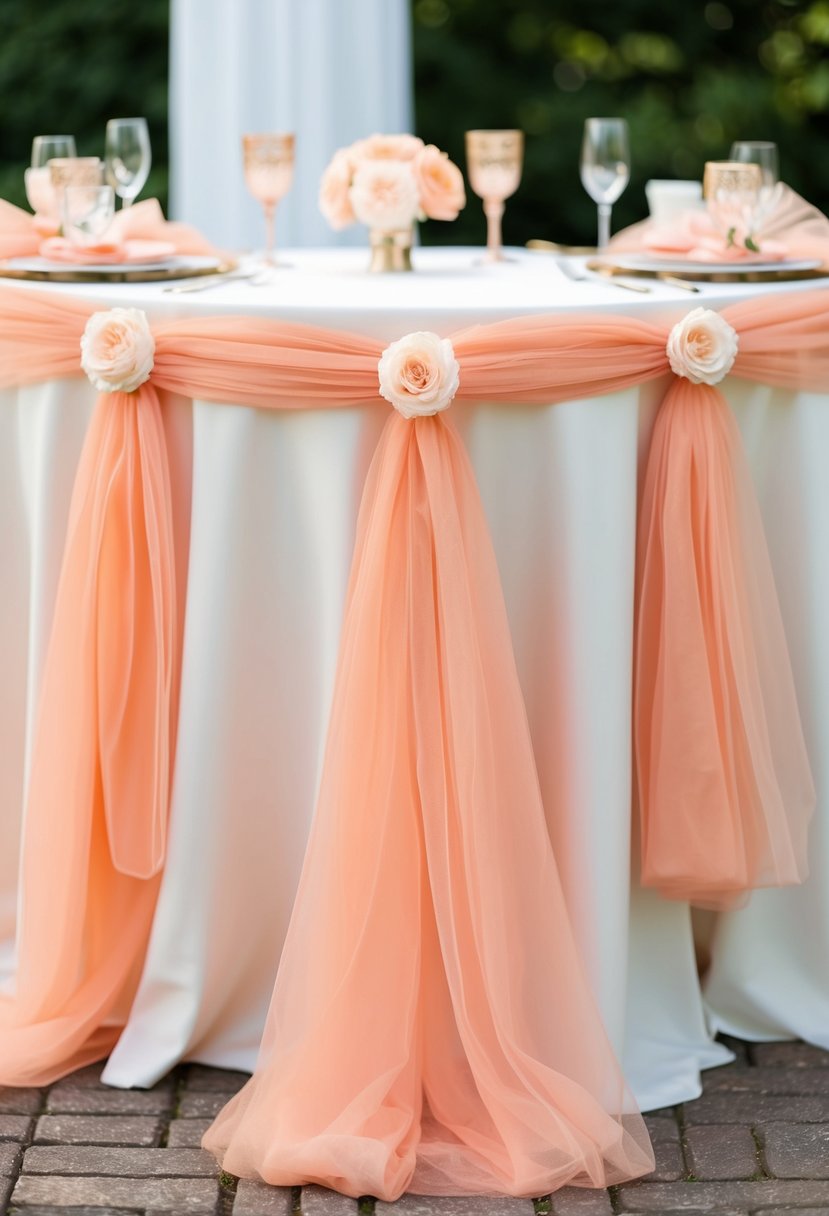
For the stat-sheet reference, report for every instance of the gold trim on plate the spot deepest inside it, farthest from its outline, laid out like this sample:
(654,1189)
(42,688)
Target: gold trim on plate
(131,274)
(695,275)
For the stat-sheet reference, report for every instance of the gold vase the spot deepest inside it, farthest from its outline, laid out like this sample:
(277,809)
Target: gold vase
(390,251)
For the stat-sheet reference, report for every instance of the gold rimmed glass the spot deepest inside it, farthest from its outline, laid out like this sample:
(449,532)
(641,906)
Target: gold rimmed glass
(73,171)
(494,160)
(732,191)
(269,175)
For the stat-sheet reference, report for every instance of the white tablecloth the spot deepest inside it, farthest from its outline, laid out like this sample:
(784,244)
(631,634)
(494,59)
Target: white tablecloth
(266,506)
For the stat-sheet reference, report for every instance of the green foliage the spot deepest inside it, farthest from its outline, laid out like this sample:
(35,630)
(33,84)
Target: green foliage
(65,68)
(688,78)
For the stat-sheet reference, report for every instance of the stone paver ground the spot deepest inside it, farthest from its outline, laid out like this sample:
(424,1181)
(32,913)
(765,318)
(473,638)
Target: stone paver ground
(755,1144)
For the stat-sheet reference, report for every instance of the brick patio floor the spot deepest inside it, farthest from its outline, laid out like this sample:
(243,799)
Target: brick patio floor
(755,1144)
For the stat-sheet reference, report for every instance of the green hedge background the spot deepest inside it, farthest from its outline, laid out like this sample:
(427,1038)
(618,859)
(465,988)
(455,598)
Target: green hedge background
(689,79)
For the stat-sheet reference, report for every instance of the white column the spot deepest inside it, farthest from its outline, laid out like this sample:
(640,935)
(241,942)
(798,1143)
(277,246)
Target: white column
(330,70)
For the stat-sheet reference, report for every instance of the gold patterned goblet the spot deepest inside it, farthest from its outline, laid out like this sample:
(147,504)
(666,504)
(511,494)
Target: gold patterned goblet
(493,161)
(269,173)
(73,171)
(732,193)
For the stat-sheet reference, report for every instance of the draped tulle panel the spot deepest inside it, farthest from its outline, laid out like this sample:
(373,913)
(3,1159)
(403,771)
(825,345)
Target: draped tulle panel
(96,818)
(724,781)
(439,1037)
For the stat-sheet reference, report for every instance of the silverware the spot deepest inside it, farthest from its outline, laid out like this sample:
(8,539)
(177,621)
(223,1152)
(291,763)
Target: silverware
(256,277)
(595,273)
(673,281)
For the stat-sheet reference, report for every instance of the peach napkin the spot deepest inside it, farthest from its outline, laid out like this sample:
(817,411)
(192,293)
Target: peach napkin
(22,234)
(794,229)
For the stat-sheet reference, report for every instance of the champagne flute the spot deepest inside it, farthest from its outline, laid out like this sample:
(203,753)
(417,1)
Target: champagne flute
(493,161)
(269,174)
(38,179)
(761,152)
(128,157)
(605,166)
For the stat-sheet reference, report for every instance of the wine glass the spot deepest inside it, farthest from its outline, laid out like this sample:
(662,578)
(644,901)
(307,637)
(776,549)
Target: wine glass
(127,156)
(493,161)
(87,213)
(605,166)
(269,174)
(761,152)
(38,179)
(45,147)
(731,190)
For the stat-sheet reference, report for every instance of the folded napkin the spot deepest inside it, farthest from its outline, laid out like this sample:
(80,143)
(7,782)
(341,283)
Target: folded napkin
(59,249)
(793,229)
(22,234)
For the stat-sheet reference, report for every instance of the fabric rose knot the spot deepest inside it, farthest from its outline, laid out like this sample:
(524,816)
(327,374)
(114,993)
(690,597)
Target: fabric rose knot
(702,347)
(419,374)
(117,349)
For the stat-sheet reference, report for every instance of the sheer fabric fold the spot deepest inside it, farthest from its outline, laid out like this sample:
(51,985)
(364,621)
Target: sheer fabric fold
(725,787)
(422,1044)
(95,825)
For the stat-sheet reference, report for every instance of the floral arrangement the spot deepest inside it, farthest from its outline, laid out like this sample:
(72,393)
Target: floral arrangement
(389,181)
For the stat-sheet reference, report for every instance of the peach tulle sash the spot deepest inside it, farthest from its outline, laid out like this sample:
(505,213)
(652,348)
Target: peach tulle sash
(428,857)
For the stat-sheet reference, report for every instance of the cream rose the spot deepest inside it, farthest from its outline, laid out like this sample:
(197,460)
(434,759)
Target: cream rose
(419,374)
(384,194)
(387,147)
(334,200)
(702,347)
(117,349)
(439,183)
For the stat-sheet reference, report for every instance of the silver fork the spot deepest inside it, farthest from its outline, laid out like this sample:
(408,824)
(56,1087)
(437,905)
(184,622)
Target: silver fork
(582,276)
(258,277)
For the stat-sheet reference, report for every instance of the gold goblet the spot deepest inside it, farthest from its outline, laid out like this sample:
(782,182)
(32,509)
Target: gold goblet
(269,173)
(493,161)
(732,193)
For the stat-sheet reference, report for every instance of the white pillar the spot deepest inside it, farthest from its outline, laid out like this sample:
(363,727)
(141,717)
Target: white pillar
(330,70)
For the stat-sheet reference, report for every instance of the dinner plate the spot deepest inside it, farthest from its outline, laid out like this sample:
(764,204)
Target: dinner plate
(183,267)
(676,265)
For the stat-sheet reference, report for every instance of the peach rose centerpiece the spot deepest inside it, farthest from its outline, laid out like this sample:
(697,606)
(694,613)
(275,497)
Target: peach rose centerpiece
(118,350)
(387,182)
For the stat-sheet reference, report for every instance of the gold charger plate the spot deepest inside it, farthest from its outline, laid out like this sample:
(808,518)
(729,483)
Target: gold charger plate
(696,275)
(178,268)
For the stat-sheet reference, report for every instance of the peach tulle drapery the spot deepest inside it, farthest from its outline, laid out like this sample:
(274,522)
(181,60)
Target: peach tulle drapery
(429,900)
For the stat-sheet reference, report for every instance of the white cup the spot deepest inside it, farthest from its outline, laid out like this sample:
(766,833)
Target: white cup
(668,199)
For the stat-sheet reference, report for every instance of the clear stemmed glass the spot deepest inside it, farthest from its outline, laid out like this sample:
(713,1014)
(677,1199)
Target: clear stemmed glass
(45,147)
(38,178)
(494,160)
(761,152)
(87,213)
(605,166)
(269,174)
(127,156)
